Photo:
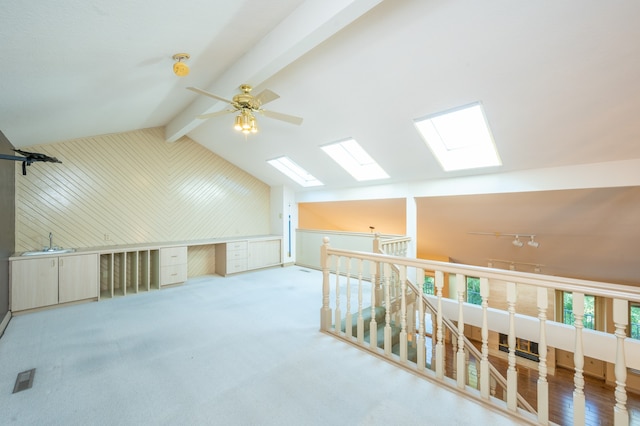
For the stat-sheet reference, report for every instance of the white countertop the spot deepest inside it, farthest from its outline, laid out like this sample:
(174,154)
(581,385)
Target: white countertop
(147,246)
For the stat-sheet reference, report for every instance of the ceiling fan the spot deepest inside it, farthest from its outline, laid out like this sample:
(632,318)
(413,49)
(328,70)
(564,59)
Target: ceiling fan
(246,105)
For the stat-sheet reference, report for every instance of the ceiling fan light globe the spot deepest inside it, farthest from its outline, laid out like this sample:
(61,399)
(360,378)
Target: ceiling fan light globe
(238,124)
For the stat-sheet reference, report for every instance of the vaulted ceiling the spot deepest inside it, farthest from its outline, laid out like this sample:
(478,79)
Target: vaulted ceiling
(558,80)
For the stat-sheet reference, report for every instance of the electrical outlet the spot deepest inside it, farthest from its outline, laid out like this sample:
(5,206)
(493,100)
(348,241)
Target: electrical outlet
(107,237)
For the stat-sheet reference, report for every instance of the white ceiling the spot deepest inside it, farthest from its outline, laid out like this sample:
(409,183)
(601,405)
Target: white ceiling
(558,80)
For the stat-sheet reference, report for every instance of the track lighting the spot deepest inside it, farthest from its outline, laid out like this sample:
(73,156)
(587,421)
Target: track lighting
(516,240)
(180,68)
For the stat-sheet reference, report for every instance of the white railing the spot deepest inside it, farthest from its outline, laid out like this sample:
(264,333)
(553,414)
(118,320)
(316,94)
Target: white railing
(394,246)
(449,360)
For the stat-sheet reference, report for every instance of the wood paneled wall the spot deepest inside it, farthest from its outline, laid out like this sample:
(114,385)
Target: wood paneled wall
(132,188)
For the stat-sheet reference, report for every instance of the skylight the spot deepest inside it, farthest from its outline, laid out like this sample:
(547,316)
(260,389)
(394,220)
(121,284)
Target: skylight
(460,138)
(295,172)
(350,155)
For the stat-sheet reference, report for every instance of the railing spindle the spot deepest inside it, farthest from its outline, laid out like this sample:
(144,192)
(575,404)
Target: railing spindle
(484,362)
(620,320)
(543,385)
(325,310)
(579,409)
(338,312)
(512,374)
(460,359)
(387,309)
(360,326)
(348,321)
(373,324)
(402,276)
(421,355)
(439,336)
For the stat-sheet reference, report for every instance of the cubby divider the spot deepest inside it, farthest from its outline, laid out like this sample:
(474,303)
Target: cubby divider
(106,275)
(143,270)
(131,278)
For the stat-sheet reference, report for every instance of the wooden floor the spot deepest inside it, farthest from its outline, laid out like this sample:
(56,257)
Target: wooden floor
(599,396)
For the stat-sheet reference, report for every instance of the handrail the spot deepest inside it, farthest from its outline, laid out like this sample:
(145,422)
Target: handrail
(594,288)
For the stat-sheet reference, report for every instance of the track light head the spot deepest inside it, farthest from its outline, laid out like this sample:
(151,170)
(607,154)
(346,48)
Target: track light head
(532,243)
(516,242)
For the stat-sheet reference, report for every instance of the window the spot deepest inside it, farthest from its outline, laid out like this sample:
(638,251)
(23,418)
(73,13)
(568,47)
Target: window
(355,160)
(589,319)
(634,321)
(460,138)
(473,291)
(294,172)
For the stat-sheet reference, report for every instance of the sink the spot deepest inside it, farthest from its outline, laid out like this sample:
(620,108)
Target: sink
(48,251)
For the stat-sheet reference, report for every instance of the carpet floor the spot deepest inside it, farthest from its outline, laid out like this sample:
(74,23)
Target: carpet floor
(237,350)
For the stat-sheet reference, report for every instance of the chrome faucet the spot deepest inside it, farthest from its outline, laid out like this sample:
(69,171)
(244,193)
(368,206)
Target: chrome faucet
(50,241)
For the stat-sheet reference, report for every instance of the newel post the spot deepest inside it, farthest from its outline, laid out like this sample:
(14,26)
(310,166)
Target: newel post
(376,243)
(325,311)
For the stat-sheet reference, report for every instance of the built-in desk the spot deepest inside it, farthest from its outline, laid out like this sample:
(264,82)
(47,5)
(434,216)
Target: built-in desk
(106,272)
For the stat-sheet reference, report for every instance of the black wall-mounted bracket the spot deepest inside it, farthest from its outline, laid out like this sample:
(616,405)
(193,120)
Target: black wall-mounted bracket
(29,157)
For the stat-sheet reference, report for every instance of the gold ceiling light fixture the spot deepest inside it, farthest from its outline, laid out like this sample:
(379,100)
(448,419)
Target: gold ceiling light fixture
(180,68)
(246,105)
(246,122)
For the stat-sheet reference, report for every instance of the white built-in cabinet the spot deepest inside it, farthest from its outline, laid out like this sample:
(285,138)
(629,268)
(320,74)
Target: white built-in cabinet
(263,253)
(241,256)
(50,280)
(47,281)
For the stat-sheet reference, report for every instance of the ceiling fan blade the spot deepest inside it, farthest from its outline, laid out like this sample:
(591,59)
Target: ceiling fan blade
(266,96)
(283,117)
(215,114)
(211,95)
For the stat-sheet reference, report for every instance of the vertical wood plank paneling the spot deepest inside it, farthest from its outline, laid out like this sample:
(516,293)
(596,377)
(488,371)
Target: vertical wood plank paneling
(135,188)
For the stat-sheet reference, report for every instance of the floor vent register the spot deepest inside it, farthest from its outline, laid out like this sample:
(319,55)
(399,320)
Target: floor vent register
(24,380)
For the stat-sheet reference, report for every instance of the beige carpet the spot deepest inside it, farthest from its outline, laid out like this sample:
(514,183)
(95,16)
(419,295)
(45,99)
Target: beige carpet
(241,350)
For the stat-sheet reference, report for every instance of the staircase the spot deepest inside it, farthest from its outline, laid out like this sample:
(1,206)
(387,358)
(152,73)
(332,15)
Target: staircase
(380,313)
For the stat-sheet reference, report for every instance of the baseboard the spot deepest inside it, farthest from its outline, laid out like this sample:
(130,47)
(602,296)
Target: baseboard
(5,322)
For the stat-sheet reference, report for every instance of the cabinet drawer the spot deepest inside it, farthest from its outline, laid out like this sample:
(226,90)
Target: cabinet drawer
(236,254)
(237,245)
(173,274)
(173,256)
(237,265)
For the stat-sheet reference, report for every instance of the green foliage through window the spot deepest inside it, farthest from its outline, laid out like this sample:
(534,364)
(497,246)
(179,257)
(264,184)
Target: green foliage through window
(588,321)
(429,285)
(634,325)
(473,291)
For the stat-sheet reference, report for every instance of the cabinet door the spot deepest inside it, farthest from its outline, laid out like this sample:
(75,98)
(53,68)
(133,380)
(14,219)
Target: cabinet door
(78,277)
(264,253)
(34,283)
